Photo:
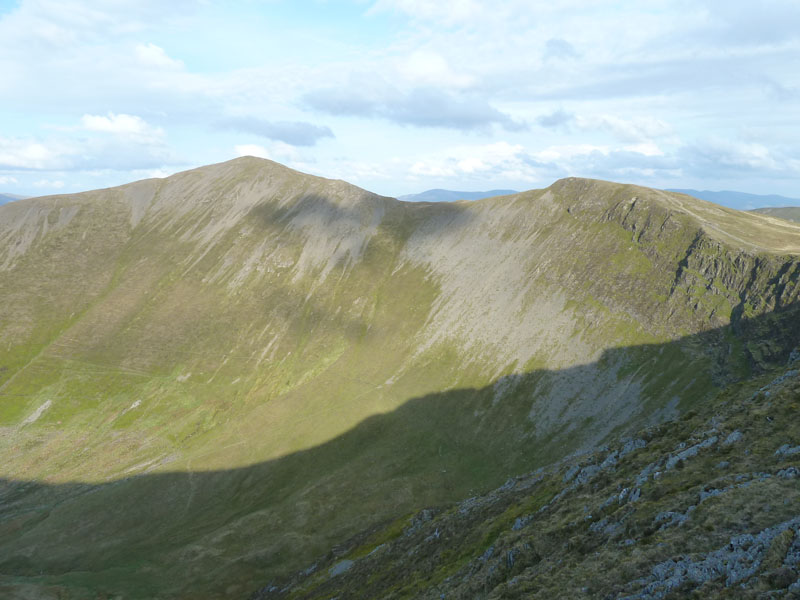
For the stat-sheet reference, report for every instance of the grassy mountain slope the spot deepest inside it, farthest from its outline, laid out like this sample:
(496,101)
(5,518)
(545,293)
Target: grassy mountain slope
(790,213)
(184,363)
(707,505)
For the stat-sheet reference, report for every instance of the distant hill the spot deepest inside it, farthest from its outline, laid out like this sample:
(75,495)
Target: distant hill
(740,200)
(790,213)
(451,195)
(10,198)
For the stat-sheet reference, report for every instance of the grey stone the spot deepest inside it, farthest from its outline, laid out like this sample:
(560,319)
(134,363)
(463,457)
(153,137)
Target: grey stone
(735,562)
(722,465)
(610,461)
(632,445)
(787,450)
(733,438)
(488,554)
(790,473)
(706,494)
(341,567)
(690,452)
(571,472)
(587,473)
(645,473)
(521,522)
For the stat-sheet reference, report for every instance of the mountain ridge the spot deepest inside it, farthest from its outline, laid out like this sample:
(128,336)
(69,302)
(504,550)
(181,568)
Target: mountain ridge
(235,314)
(739,200)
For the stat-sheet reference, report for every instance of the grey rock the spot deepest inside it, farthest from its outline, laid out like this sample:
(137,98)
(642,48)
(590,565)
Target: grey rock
(787,450)
(722,465)
(341,567)
(673,519)
(645,473)
(610,500)
(521,522)
(690,452)
(706,494)
(733,438)
(571,472)
(632,445)
(790,473)
(610,461)
(434,536)
(587,473)
(735,562)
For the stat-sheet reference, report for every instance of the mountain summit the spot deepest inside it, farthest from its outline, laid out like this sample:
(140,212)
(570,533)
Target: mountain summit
(209,380)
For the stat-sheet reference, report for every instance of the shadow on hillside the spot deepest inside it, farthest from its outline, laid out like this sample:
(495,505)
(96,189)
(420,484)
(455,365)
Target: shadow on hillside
(394,217)
(225,533)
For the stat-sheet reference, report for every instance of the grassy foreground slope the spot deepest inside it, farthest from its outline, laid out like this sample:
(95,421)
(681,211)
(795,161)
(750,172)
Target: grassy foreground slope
(185,363)
(705,506)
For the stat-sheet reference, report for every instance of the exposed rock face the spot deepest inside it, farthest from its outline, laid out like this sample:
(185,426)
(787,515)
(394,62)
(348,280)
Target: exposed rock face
(247,353)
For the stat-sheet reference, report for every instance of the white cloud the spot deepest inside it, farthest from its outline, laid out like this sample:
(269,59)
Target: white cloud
(569,152)
(155,56)
(121,124)
(49,183)
(489,162)
(32,154)
(5,180)
(635,129)
(252,150)
(446,11)
(425,67)
(116,141)
(646,148)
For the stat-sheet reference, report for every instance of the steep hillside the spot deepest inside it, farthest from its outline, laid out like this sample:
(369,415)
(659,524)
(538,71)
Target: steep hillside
(790,213)
(207,380)
(705,505)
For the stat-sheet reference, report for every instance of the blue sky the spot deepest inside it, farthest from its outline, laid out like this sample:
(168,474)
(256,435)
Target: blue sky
(399,96)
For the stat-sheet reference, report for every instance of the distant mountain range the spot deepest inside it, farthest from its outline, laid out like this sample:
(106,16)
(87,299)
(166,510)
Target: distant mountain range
(740,200)
(10,198)
(438,195)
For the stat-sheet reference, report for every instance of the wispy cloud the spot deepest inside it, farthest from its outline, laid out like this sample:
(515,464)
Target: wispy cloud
(295,133)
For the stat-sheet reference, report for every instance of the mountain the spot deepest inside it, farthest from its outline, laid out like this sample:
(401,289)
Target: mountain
(211,380)
(740,200)
(790,213)
(10,198)
(438,195)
